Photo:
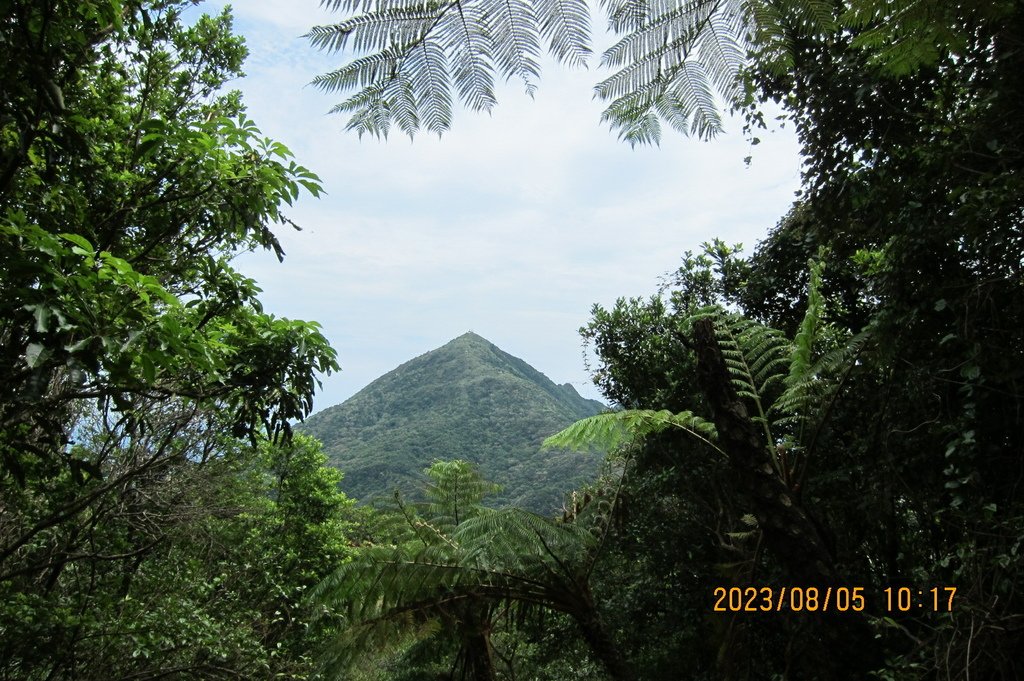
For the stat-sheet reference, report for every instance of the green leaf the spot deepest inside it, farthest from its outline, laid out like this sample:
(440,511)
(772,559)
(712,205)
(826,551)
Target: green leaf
(148,368)
(81,242)
(149,144)
(35,355)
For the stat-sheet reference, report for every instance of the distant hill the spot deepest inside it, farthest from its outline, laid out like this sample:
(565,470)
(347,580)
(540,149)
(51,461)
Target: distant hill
(465,400)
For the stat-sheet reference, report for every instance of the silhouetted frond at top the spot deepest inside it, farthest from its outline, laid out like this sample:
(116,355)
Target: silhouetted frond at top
(686,56)
(440,51)
(676,61)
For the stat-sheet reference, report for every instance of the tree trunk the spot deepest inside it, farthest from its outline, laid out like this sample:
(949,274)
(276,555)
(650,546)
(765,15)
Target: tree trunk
(477,647)
(788,530)
(599,640)
(847,648)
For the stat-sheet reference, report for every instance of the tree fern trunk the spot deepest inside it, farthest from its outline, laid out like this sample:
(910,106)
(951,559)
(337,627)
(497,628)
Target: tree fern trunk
(788,529)
(846,645)
(479,656)
(599,639)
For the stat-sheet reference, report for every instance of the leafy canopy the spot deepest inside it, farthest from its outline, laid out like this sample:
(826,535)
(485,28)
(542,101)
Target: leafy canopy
(124,193)
(140,535)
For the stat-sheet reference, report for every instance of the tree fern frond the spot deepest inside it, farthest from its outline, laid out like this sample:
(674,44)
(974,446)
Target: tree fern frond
(369,110)
(675,61)
(640,74)
(756,358)
(430,85)
(401,104)
(634,118)
(642,42)
(625,16)
(635,125)
(377,30)
(362,72)
(351,5)
(462,35)
(509,538)
(330,38)
(693,85)
(611,430)
(565,24)
(388,591)
(807,334)
(805,398)
(816,16)
(456,579)
(724,50)
(769,365)
(675,110)
(454,492)
(769,36)
(672,48)
(512,26)
(811,386)
(374,108)
(755,355)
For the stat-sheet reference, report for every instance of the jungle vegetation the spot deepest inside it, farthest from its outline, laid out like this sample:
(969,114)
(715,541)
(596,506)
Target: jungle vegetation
(839,408)
(156,520)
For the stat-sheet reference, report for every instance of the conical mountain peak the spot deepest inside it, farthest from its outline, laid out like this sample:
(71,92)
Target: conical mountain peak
(467,399)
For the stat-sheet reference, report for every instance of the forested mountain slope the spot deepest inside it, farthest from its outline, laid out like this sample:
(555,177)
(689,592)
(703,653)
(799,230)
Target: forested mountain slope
(465,400)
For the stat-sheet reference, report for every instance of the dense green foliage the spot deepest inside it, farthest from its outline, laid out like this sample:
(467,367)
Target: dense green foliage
(155,520)
(127,185)
(191,560)
(466,400)
(463,572)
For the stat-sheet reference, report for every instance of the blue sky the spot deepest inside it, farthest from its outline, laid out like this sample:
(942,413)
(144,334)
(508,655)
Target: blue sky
(513,225)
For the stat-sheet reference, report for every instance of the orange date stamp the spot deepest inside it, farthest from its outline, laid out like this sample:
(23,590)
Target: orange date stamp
(830,599)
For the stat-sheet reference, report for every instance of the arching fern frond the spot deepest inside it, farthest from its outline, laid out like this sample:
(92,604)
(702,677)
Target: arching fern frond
(807,334)
(613,429)
(811,385)
(512,560)
(809,395)
(566,27)
(462,34)
(515,33)
(428,66)
(521,541)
